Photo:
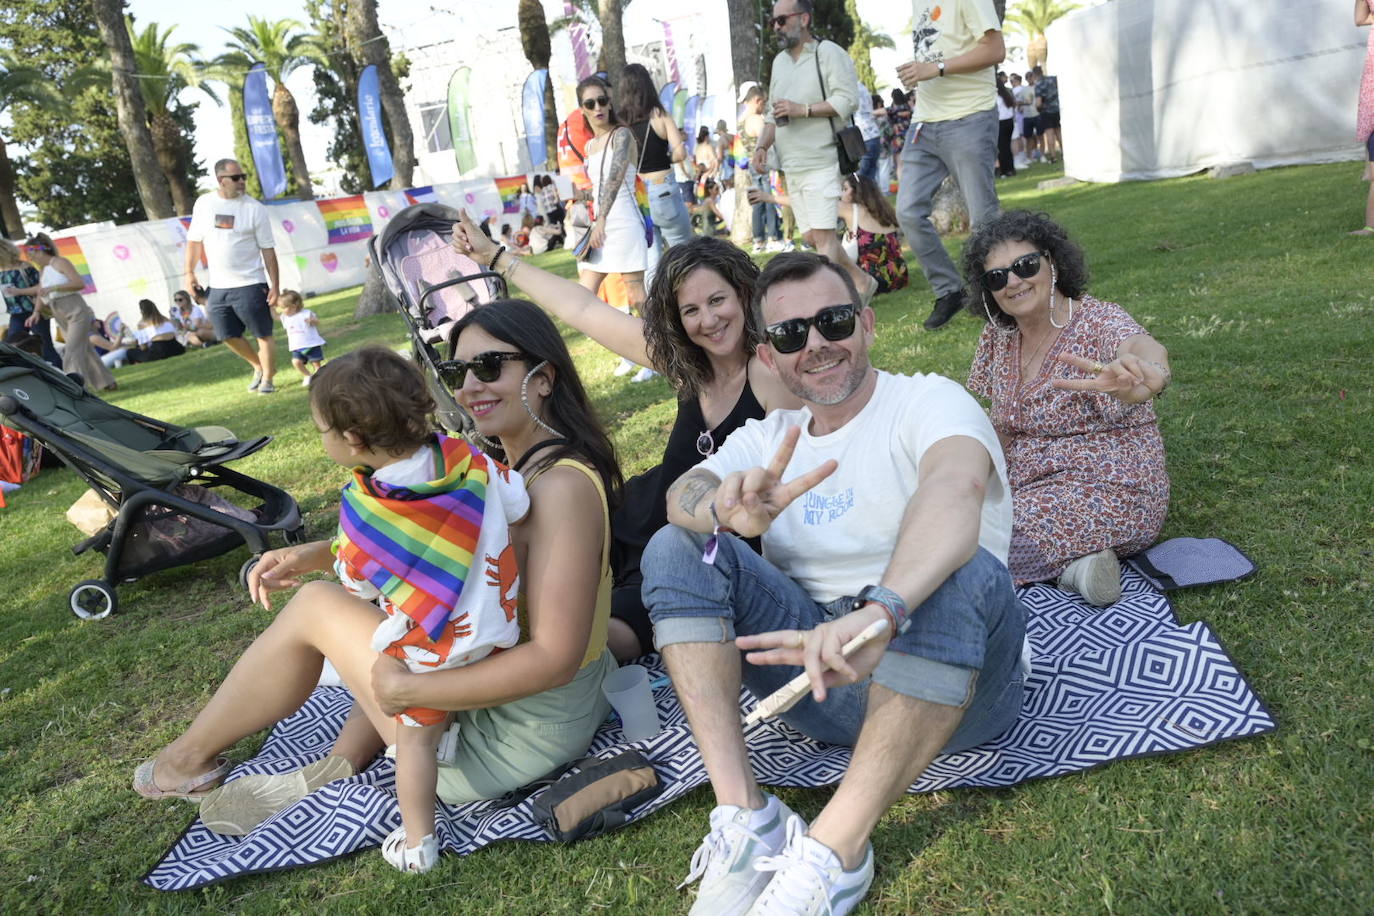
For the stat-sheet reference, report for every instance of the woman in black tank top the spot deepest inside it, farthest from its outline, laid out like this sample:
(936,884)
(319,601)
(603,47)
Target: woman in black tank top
(700,333)
(660,145)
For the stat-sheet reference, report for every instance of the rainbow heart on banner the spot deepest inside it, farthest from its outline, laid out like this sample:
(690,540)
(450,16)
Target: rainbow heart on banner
(346,218)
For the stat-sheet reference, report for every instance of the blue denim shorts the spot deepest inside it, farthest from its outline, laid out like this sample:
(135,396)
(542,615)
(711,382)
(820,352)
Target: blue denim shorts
(313,354)
(963,647)
(238,309)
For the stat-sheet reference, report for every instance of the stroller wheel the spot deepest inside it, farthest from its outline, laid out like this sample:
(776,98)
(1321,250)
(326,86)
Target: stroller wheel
(93,599)
(245,569)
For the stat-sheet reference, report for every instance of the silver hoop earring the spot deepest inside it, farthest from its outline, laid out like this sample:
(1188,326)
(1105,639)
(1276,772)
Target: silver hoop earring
(482,442)
(1054,282)
(524,399)
(988,310)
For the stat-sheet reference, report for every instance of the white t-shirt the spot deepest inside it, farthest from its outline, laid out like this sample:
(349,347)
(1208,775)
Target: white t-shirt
(300,333)
(838,537)
(1025,100)
(234,232)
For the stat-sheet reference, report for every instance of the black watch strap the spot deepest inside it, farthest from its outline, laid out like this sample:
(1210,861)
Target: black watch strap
(893,602)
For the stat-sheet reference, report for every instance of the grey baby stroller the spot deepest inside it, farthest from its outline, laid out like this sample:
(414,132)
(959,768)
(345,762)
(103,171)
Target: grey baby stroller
(435,285)
(156,478)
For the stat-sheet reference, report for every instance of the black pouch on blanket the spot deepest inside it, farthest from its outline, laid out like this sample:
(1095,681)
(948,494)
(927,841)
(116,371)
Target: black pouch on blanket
(597,798)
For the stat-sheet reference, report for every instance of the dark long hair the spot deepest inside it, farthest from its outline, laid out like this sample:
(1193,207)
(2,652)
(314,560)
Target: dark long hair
(635,97)
(595,80)
(1070,267)
(871,199)
(683,362)
(525,327)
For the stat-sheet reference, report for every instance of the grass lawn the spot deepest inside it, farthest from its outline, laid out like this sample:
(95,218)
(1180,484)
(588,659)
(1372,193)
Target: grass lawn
(1266,308)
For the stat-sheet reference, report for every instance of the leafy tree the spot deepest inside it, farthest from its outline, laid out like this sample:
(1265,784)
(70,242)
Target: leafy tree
(19,83)
(130,110)
(865,40)
(534,39)
(283,47)
(369,47)
(70,162)
(336,93)
(830,21)
(1031,18)
(164,69)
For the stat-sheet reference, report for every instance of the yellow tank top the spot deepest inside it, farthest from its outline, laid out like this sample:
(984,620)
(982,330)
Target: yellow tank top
(596,642)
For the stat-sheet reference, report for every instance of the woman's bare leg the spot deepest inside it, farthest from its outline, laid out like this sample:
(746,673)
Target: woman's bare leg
(276,674)
(590,280)
(634,289)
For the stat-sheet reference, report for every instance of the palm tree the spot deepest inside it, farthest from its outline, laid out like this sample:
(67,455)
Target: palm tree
(282,47)
(130,110)
(1032,18)
(369,47)
(165,69)
(865,40)
(534,38)
(612,38)
(18,84)
(230,68)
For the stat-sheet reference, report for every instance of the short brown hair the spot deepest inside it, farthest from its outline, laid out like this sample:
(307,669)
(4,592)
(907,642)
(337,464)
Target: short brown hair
(379,396)
(792,266)
(291,297)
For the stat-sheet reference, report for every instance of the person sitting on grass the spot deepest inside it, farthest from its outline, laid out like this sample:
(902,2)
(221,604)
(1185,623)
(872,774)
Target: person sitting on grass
(1070,379)
(156,335)
(302,334)
(192,321)
(872,222)
(522,712)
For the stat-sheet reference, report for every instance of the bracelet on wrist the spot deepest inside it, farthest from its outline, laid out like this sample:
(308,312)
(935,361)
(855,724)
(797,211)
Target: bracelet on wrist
(491,265)
(889,601)
(708,554)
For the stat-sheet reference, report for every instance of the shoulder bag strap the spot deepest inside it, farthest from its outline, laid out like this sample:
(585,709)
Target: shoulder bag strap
(821,77)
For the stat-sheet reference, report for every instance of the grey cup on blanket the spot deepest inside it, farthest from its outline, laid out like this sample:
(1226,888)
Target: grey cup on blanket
(1106,685)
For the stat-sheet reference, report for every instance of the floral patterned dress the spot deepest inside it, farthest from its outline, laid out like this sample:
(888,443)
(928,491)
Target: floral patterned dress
(1086,470)
(880,256)
(899,116)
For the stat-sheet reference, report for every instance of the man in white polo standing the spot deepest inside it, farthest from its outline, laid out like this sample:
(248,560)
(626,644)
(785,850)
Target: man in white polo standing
(233,232)
(811,94)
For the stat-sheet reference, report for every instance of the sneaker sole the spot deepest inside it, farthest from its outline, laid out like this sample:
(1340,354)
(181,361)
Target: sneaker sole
(238,807)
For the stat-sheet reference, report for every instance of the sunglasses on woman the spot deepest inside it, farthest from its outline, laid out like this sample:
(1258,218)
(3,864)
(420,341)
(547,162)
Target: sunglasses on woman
(1025,267)
(596,102)
(486,366)
(835,322)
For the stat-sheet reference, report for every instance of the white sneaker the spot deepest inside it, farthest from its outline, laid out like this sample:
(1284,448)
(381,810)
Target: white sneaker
(643,375)
(788,245)
(415,860)
(625,367)
(775,245)
(758,248)
(725,859)
(305,382)
(1097,577)
(809,878)
(257,380)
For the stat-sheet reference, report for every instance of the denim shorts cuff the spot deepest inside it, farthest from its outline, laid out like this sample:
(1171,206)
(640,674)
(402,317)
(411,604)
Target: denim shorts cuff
(923,679)
(669,631)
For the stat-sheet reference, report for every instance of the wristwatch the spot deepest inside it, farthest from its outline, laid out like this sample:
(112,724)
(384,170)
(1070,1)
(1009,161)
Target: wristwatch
(942,68)
(890,601)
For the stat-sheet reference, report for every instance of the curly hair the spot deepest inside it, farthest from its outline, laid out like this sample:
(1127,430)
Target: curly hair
(1071,269)
(684,363)
(379,396)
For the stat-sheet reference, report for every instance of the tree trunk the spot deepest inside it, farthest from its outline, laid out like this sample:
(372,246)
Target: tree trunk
(130,110)
(744,41)
(375,297)
(11,222)
(1037,51)
(612,39)
(167,142)
(369,46)
(289,120)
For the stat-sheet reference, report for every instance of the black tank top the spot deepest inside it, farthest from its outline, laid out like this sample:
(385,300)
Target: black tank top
(656,156)
(644,508)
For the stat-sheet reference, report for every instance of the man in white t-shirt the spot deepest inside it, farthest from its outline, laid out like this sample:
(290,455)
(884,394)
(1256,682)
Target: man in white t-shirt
(896,492)
(234,233)
(957,46)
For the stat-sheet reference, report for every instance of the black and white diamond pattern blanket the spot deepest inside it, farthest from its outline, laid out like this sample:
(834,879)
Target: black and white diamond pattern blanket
(1127,681)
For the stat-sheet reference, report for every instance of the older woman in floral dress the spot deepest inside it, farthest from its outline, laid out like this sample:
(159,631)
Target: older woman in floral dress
(1070,379)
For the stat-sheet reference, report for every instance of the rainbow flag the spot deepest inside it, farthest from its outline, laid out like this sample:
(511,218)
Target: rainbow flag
(737,158)
(509,189)
(70,249)
(642,201)
(346,218)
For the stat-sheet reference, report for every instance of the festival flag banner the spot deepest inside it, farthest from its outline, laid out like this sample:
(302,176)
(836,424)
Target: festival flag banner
(532,108)
(577,34)
(262,133)
(509,189)
(460,119)
(691,117)
(665,95)
(346,219)
(680,107)
(374,132)
(70,249)
(672,52)
(424,195)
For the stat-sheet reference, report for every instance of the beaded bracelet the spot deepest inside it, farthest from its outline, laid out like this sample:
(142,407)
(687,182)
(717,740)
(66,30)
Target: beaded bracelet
(500,249)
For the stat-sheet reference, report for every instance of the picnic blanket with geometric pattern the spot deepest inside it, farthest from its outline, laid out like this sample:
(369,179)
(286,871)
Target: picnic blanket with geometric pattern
(1126,681)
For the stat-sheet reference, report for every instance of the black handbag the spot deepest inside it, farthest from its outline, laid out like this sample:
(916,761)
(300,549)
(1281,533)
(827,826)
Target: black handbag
(849,141)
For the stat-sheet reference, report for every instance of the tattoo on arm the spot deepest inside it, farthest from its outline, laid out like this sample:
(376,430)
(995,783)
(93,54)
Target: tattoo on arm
(693,488)
(621,144)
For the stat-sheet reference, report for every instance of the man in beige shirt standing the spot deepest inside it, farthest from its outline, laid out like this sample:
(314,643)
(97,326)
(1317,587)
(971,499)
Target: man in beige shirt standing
(802,119)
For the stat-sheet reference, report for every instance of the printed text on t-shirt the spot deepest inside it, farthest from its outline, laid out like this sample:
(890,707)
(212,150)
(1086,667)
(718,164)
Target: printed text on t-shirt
(818,509)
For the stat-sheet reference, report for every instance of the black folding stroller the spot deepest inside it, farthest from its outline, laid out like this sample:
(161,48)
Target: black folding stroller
(155,477)
(436,285)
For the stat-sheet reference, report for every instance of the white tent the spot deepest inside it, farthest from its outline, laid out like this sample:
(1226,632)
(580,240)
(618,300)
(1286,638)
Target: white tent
(1160,88)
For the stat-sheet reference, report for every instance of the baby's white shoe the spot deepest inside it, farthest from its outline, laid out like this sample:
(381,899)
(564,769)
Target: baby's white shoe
(416,860)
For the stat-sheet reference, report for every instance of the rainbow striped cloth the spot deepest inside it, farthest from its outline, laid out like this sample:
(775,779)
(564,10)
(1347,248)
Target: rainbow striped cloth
(415,544)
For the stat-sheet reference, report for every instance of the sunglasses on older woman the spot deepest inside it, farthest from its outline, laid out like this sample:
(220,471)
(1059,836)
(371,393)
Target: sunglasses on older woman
(1025,267)
(835,322)
(485,366)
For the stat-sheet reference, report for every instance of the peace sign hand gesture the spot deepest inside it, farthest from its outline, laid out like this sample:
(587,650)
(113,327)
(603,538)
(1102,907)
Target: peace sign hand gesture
(1127,378)
(748,501)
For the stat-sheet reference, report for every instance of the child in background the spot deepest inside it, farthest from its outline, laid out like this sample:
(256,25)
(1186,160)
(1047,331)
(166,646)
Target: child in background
(302,334)
(448,586)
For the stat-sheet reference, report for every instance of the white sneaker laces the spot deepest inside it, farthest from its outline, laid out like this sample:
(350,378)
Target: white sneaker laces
(794,891)
(716,850)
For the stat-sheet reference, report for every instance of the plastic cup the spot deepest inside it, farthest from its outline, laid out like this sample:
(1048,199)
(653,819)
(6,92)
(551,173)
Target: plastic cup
(627,689)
